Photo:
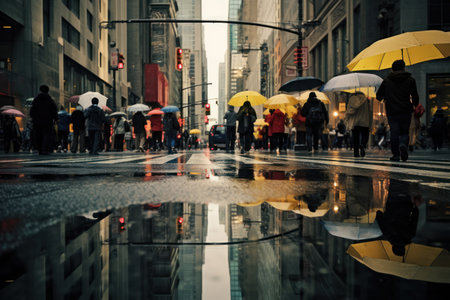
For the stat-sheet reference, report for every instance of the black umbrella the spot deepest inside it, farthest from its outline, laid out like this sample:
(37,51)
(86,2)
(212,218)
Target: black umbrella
(301,84)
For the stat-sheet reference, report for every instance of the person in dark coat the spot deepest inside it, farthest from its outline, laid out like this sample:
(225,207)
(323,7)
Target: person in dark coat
(139,123)
(44,114)
(316,116)
(438,129)
(64,120)
(171,127)
(231,118)
(79,130)
(12,133)
(106,142)
(399,92)
(246,117)
(95,119)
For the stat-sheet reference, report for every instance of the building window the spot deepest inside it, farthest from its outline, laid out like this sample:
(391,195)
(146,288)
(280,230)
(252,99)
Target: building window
(73,6)
(100,60)
(70,34)
(90,50)
(439,15)
(46,17)
(89,21)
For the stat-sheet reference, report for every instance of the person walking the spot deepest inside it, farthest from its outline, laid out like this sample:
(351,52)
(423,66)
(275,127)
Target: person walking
(64,120)
(230,117)
(107,133)
(44,114)
(95,119)
(119,133)
(246,117)
(359,119)
(438,129)
(381,135)
(171,127)
(414,128)
(340,134)
(399,92)
(299,124)
(12,134)
(156,128)
(316,115)
(270,137)
(278,121)
(138,120)
(79,130)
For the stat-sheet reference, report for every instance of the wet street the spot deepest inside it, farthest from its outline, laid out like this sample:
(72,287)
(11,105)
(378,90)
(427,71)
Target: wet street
(212,225)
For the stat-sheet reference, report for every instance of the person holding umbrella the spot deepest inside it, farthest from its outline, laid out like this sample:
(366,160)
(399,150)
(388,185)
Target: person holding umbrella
(95,117)
(398,89)
(171,127)
(230,116)
(138,120)
(316,114)
(246,117)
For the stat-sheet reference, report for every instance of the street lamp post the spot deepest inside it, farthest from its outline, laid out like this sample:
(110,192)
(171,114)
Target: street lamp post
(187,88)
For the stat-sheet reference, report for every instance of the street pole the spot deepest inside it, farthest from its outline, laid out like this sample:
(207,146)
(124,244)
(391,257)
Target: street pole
(300,38)
(114,90)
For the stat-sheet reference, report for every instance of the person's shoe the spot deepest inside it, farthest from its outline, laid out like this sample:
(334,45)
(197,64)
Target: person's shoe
(404,153)
(362,151)
(242,151)
(394,158)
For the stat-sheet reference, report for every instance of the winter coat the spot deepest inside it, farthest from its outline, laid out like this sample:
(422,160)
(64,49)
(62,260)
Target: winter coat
(139,122)
(43,110)
(78,120)
(359,111)
(95,117)
(397,90)
(277,121)
(268,119)
(170,124)
(246,117)
(156,123)
(64,120)
(309,104)
(230,116)
(119,126)
(299,120)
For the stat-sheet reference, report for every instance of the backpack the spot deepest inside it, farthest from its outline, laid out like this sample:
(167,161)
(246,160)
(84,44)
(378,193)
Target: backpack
(127,126)
(315,115)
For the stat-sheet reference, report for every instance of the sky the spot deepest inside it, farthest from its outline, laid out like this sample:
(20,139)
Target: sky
(215,44)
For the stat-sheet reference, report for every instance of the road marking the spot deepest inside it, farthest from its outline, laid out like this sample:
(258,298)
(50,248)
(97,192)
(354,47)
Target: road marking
(199,159)
(243,159)
(127,159)
(161,160)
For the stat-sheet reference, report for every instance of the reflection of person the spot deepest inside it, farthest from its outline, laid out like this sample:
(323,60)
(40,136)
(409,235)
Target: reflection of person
(246,117)
(359,120)
(399,220)
(95,117)
(314,200)
(230,116)
(399,92)
(44,113)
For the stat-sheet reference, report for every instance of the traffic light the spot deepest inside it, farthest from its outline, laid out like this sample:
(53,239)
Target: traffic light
(207,109)
(121,61)
(179,59)
(121,224)
(179,225)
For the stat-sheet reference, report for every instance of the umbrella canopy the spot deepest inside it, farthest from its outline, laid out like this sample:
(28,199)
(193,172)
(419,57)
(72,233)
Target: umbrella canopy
(74,99)
(368,91)
(353,231)
(260,122)
(13,112)
(285,109)
(321,96)
(255,98)
(300,84)
(138,107)
(118,114)
(156,111)
(303,209)
(352,81)
(280,99)
(170,109)
(195,131)
(249,204)
(413,47)
(419,263)
(5,107)
(284,204)
(85,99)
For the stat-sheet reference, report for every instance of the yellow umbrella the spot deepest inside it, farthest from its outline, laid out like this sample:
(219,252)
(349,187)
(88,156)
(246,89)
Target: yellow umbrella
(284,204)
(321,96)
(248,204)
(419,263)
(285,109)
(280,99)
(260,122)
(255,98)
(302,209)
(413,47)
(195,131)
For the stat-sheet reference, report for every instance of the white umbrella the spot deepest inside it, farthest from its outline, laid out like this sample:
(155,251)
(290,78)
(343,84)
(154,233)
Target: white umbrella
(138,107)
(352,81)
(85,99)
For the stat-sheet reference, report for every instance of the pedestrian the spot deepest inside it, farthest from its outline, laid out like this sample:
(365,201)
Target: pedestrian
(340,133)
(300,126)
(138,120)
(119,133)
(27,137)
(170,127)
(316,116)
(64,120)
(12,134)
(399,92)
(107,133)
(270,137)
(95,117)
(438,129)
(414,128)
(359,119)
(230,117)
(79,130)
(381,135)
(246,117)
(44,114)
(278,122)
(156,128)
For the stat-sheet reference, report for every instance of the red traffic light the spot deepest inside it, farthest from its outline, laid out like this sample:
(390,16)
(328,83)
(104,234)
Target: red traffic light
(207,109)
(121,62)
(180,220)
(121,223)
(207,106)
(179,59)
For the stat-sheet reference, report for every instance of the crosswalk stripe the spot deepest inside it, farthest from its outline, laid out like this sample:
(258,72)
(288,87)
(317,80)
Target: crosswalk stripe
(161,160)
(245,160)
(127,159)
(199,159)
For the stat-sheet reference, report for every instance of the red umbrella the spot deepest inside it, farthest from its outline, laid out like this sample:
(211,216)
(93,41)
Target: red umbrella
(74,99)
(13,112)
(156,111)
(107,109)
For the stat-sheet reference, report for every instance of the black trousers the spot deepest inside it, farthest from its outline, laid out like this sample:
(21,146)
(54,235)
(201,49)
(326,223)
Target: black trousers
(231,138)
(360,139)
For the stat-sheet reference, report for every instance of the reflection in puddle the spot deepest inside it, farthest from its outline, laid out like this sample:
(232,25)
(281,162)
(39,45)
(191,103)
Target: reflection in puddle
(299,246)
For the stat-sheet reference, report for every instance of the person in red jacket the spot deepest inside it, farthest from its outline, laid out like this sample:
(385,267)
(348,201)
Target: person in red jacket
(277,121)
(156,128)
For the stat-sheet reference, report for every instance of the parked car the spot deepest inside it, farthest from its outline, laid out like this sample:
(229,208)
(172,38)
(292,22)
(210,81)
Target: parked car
(217,137)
